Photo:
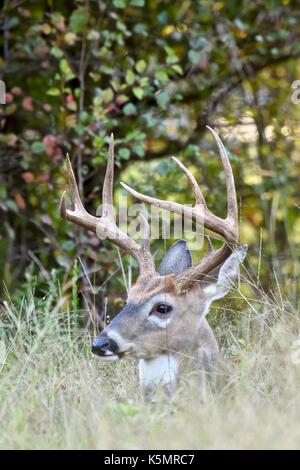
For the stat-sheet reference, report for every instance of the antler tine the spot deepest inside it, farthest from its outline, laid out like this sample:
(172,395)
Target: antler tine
(78,215)
(170,206)
(229,228)
(62,206)
(78,206)
(230,186)
(196,189)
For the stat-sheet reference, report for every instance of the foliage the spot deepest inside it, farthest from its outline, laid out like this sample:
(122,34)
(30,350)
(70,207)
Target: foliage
(155,73)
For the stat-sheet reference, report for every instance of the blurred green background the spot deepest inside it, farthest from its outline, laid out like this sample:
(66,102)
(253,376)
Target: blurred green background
(155,73)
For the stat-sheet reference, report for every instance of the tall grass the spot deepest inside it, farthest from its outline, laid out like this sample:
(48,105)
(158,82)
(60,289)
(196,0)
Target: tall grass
(55,394)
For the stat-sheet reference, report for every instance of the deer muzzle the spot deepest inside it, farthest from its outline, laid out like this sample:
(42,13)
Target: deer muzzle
(104,346)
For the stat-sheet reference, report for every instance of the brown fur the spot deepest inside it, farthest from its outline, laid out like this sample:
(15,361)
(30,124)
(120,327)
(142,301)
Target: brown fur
(149,285)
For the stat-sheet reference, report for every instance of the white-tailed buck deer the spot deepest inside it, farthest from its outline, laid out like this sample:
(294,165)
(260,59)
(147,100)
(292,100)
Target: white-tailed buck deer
(163,321)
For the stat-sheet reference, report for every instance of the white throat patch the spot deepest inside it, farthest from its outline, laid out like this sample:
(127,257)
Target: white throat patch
(162,370)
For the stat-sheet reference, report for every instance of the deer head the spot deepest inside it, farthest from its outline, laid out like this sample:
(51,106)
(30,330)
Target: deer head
(163,309)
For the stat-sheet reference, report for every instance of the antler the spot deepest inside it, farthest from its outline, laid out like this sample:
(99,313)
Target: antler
(105,226)
(227,228)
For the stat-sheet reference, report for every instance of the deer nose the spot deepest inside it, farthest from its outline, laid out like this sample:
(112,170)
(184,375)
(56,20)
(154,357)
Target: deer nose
(101,346)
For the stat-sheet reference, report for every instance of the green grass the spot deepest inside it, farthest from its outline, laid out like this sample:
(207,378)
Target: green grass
(55,394)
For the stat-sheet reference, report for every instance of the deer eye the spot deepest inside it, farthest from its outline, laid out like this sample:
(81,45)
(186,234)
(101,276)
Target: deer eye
(162,309)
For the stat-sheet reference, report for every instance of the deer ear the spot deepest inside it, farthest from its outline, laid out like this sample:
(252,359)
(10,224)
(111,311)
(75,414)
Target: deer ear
(176,260)
(227,274)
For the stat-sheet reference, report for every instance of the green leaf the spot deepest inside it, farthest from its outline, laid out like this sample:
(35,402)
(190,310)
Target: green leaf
(135,135)
(138,92)
(163,99)
(129,109)
(194,56)
(172,57)
(66,69)
(68,245)
(140,28)
(198,42)
(107,95)
(144,81)
(99,160)
(121,99)
(80,129)
(139,149)
(191,150)
(162,168)
(177,68)
(150,121)
(98,142)
(121,26)
(84,117)
(63,261)
(162,76)
(140,66)
(3,191)
(12,205)
(56,52)
(53,92)
(119,3)
(37,147)
(78,20)
(77,92)
(162,18)
(124,153)
(130,77)
(107,70)
(137,3)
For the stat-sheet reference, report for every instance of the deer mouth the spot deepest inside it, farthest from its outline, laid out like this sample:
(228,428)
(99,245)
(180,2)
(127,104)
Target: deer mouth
(107,349)
(111,357)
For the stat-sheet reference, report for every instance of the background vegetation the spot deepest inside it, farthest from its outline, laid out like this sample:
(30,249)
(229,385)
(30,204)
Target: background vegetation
(155,73)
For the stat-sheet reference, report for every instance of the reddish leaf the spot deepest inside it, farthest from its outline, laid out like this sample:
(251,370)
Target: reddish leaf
(28,177)
(47,107)
(16,90)
(8,98)
(27,103)
(69,98)
(94,241)
(49,144)
(58,153)
(24,12)
(20,201)
(43,178)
